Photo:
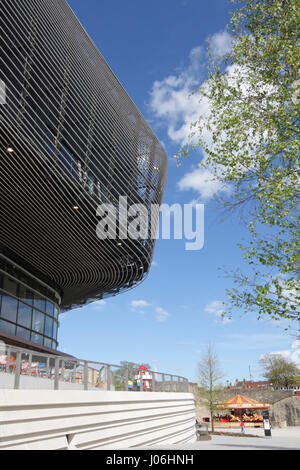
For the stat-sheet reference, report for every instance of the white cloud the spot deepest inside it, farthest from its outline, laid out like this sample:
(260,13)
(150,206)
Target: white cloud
(99,305)
(293,353)
(161,315)
(216,308)
(203,182)
(220,43)
(172,101)
(175,103)
(139,304)
(253,341)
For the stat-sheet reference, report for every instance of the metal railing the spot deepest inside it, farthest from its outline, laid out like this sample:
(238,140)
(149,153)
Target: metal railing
(26,369)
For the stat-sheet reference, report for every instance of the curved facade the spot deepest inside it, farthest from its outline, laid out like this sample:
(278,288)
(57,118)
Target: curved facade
(70,139)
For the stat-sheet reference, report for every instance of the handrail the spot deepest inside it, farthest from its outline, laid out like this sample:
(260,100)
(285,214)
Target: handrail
(26,365)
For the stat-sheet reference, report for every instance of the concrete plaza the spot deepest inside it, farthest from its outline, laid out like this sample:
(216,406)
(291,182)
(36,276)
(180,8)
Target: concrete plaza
(282,439)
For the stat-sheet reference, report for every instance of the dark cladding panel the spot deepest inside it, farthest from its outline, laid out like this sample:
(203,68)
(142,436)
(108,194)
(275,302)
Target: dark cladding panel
(78,140)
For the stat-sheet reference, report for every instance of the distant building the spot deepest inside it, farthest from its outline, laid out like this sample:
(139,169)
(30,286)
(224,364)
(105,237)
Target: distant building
(250,384)
(254,385)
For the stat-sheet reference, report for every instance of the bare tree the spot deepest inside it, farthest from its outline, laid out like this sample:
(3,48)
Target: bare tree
(210,376)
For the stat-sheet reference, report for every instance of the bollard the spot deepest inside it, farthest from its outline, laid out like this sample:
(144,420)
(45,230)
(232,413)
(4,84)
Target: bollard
(163,382)
(56,377)
(141,382)
(153,381)
(17,371)
(108,378)
(86,376)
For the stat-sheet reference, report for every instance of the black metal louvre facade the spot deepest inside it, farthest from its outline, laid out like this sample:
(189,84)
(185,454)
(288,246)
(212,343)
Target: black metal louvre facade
(76,140)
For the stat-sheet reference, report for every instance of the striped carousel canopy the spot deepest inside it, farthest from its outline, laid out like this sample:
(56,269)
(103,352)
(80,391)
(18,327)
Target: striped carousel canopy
(240,402)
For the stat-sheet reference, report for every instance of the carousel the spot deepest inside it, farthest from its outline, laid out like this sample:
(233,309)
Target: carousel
(241,408)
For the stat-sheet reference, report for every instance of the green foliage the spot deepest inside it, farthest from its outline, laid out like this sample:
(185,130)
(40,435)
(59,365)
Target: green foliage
(280,371)
(254,148)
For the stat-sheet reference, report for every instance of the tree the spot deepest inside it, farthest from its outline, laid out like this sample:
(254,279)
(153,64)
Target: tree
(250,139)
(280,371)
(210,375)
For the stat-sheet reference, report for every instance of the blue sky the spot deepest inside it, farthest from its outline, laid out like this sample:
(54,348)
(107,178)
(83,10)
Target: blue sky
(157,51)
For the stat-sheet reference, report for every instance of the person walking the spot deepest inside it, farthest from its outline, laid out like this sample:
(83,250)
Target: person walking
(242,427)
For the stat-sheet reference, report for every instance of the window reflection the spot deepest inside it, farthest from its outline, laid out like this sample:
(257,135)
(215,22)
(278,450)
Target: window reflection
(7,327)
(19,316)
(36,338)
(9,307)
(48,326)
(55,330)
(22,333)
(39,302)
(24,315)
(56,313)
(49,308)
(47,342)
(25,294)
(38,321)
(91,183)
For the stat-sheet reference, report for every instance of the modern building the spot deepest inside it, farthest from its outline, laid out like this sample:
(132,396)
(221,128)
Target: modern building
(70,139)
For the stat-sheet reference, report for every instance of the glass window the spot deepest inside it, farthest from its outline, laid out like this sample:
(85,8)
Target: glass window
(67,158)
(55,330)
(48,326)
(39,302)
(56,313)
(49,308)
(91,183)
(54,345)
(9,307)
(38,321)
(47,342)
(104,193)
(36,338)
(49,144)
(10,285)
(24,315)
(22,333)
(25,294)
(7,327)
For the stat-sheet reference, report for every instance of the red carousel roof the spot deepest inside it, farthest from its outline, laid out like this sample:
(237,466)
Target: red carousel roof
(239,402)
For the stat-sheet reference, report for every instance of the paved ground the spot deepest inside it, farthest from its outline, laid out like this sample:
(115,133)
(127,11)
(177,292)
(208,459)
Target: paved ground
(282,439)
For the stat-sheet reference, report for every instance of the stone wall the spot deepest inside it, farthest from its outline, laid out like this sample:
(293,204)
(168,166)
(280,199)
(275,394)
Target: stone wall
(260,394)
(286,412)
